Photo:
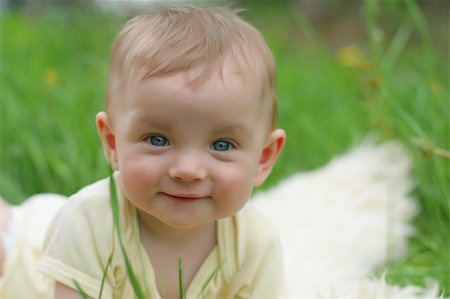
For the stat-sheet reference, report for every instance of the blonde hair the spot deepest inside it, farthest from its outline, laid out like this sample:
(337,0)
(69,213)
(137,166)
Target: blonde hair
(183,37)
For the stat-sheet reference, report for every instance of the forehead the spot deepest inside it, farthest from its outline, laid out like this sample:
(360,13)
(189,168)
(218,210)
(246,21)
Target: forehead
(226,88)
(225,82)
(216,99)
(227,91)
(223,101)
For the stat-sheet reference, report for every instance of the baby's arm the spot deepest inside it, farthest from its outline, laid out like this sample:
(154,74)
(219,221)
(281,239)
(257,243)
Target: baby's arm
(64,292)
(73,248)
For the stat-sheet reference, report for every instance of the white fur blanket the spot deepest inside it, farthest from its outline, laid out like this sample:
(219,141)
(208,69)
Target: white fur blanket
(340,222)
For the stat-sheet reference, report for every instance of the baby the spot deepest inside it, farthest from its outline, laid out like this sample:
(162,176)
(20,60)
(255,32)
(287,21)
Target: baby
(189,129)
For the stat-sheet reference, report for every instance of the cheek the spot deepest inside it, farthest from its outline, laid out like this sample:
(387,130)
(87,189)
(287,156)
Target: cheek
(137,177)
(237,183)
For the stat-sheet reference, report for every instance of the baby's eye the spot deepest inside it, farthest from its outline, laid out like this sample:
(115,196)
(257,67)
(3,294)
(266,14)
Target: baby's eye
(157,140)
(221,146)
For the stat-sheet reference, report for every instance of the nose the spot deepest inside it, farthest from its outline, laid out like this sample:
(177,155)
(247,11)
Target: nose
(187,167)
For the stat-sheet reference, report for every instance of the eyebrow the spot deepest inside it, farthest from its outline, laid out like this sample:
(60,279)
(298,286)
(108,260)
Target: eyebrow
(142,122)
(233,129)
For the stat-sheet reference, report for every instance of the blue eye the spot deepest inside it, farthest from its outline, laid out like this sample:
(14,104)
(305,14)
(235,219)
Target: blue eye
(158,140)
(221,146)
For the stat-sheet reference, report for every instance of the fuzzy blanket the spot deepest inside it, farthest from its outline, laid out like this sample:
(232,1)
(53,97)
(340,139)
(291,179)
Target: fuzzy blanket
(341,222)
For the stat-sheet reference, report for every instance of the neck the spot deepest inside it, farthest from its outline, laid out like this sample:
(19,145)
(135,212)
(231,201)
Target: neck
(165,246)
(154,229)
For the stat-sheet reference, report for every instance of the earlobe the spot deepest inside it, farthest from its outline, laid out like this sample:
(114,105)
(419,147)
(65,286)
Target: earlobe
(108,138)
(269,155)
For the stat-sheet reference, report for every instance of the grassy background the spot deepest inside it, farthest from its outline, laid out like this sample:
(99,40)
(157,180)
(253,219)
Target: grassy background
(347,73)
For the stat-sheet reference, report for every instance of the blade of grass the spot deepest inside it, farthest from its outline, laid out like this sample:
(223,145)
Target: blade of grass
(180,279)
(115,209)
(408,120)
(104,276)
(80,290)
(305,25)
(209,279)
(397,45)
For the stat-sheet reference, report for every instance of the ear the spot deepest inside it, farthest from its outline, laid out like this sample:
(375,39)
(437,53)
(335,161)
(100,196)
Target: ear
(108,139)
(269,155)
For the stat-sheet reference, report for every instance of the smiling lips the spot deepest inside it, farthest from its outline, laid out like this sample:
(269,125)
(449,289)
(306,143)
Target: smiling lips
(182,198)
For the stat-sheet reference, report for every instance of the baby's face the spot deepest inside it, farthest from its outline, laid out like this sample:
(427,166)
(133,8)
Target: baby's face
(188,156)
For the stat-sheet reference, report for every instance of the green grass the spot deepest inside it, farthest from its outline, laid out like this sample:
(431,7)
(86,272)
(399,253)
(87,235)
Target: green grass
(53,70)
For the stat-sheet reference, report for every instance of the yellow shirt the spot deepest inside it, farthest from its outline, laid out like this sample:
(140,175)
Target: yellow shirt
(82,238)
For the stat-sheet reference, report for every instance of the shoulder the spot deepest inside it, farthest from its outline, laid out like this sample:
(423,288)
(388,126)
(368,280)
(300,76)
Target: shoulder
(91,195)
(253,253)
(91,202)
(84,213)
(80,240)
(254,227)
(247,234)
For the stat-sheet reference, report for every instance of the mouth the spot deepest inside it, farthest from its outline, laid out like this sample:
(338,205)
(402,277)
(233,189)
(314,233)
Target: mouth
(181,198)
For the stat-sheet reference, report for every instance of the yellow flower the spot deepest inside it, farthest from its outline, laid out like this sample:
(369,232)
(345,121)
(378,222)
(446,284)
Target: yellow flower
(352,56)
(436,88)
(51,78)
